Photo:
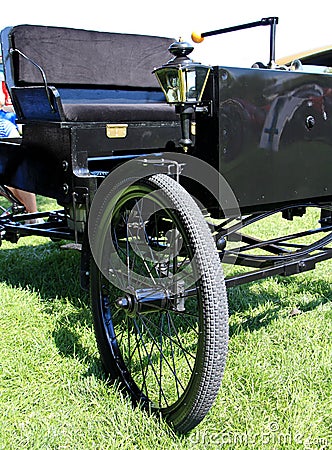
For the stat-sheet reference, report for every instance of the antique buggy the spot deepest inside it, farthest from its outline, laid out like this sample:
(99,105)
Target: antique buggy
(157,194)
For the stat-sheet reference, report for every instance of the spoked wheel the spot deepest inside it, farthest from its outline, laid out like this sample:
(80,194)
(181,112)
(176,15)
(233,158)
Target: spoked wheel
(162,330)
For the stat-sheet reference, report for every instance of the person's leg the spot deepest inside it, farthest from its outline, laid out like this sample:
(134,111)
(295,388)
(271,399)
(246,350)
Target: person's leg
(27,198)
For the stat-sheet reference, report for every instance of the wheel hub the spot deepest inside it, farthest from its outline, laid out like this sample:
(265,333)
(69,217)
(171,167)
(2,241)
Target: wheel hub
(144,301)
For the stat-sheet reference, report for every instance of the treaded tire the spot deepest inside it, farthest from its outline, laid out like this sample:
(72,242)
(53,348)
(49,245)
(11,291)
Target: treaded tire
(186,400)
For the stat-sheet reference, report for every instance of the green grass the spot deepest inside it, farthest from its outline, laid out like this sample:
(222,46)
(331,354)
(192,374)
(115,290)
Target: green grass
(277,388)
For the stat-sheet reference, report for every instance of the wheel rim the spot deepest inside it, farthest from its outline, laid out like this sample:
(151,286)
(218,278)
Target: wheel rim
(155,351)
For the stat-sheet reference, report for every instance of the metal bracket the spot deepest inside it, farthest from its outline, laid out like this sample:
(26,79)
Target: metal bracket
(205,108)
(79,196)
(169,165)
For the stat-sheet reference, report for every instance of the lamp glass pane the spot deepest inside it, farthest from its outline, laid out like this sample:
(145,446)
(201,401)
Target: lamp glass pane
(191,85)
(196,78)
(170,81)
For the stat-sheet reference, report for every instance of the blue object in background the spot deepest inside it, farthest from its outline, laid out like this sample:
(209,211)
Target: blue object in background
(8,127)
(11,116)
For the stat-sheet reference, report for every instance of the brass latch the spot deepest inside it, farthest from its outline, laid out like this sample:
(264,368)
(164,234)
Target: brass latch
(118,130)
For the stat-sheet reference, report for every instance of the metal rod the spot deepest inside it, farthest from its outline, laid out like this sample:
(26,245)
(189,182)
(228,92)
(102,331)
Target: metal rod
(230,29)
(118,157)
(262,22)
(28,230)
(272,21)
(284,269)
(249,220)
(42,72)
(304,251)
(279,240)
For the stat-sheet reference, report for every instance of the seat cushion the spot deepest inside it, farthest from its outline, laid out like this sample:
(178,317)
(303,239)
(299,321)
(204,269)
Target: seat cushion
(121,112)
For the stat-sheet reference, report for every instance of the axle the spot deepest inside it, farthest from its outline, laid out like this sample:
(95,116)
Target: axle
(143,301)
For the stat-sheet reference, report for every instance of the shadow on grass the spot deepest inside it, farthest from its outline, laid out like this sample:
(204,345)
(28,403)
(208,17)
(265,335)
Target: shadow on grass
(54,274)
(44,268)
(260,307)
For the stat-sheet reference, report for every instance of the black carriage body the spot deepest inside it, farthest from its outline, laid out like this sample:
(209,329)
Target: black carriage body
(268,132)
(269,135)
(88,102)
(55,159)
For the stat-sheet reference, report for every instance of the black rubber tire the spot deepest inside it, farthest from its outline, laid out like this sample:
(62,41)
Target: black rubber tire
(185,400)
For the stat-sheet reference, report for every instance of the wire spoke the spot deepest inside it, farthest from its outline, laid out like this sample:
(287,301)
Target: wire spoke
(150,362)
(144,373)
(181,346)
(161,350)
(158,348)
(172,353)
(170,337)
(165,335)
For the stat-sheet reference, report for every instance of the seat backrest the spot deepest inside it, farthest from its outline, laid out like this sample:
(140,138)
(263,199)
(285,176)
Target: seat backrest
(45,66)
(85,58)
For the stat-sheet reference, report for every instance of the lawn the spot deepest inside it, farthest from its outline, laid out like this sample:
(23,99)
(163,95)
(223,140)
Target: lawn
(276,392)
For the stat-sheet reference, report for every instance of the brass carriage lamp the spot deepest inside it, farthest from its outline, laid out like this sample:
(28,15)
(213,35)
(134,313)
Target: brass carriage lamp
(183,82)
